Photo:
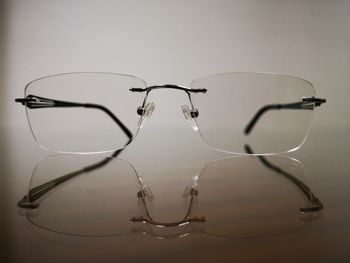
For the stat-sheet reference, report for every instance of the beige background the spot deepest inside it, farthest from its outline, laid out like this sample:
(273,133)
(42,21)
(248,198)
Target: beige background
(177,41)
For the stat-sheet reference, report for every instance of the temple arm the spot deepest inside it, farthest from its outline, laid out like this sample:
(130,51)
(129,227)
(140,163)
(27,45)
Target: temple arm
(29,201)
(316,204)
(307,103)
(35,102)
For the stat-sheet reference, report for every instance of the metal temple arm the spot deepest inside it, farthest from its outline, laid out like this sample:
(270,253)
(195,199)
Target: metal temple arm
(307,103)
(34,194)
(35,102)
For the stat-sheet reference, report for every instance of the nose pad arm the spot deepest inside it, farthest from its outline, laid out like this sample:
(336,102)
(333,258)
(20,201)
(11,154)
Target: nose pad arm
(190,115)
(145,113)
(191,190)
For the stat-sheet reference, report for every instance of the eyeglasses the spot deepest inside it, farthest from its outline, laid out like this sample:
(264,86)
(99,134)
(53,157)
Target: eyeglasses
(99,112)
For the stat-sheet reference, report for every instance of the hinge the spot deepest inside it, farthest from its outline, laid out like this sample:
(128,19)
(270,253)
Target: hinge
(34,102)
(316,101)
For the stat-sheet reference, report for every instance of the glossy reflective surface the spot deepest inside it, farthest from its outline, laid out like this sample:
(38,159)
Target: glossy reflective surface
(197,203)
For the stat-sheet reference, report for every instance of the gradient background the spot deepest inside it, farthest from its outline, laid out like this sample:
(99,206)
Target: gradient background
(176,42)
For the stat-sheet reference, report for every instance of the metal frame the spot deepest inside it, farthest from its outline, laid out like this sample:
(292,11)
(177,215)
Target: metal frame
(36,102)
(307,103)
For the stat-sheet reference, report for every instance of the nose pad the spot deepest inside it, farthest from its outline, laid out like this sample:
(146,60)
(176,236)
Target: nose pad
(147,112)
(187,113)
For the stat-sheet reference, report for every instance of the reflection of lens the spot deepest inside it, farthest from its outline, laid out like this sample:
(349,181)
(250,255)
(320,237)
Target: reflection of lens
(271,103)
(97,202)
(240,197)
(87,113)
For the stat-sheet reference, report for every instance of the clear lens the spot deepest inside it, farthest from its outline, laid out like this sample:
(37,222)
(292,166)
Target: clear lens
(84,195)
(233,100)
(242,197)
(77,127)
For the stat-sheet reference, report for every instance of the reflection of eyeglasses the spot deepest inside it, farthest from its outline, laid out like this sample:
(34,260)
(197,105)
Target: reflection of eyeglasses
(107,210)
(219,187)
(98,112)
(241,198)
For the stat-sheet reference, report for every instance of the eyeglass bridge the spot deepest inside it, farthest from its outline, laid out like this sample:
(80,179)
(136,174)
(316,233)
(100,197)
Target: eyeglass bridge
(141,195)
(193,112)
(168,86)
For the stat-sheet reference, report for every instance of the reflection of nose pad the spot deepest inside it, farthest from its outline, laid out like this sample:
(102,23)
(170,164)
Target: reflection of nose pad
(187,113)
(191,189)
(147,112)
(145,193)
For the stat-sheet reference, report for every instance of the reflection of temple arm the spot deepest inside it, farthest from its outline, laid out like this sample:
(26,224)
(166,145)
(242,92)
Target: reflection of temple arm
(35,102)
(316,204)
(307,103)
(28,201)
